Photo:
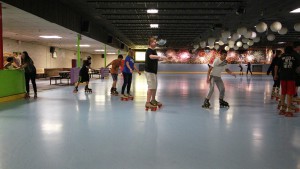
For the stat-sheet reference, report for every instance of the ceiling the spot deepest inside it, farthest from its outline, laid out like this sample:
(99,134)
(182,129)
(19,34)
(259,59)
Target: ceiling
(23,26)
(185,23)
(182,23)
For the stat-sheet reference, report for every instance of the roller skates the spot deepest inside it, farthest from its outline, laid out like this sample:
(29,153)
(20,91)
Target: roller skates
(206,104)
(113,91)
(148,106)
(124,97)
(289,112)
(282,109)
(223,104)
(87,90)
(75,90)
(27,96)
(273,95)
(130,97)
(156,103)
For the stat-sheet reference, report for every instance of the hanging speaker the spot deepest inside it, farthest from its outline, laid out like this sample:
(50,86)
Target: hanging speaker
(52,49)
(109,39)
(85,26)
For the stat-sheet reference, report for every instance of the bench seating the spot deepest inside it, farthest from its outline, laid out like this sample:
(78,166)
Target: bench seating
(40,72)
(53,74)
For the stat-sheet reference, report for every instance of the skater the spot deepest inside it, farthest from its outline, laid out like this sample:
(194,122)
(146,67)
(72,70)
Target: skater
(287,65)
(249,68)
(129,67)
(214,77)
(241,69)
(114,73)
(271,69)
(84,76)
(151,63)
(30,73)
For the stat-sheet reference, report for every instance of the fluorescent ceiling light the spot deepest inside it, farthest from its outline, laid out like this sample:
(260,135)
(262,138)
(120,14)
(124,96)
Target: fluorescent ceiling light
(50,37)
(153,25)
(152,11)
(111,53)
(281,42)
(99,50)
(84,45)
(295,10)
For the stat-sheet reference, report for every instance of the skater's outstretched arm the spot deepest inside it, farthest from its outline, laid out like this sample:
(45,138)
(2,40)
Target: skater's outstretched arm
(108,65)
(155,57)
(230,72)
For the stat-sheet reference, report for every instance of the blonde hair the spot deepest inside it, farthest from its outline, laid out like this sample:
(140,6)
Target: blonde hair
(151,39)
(131,52)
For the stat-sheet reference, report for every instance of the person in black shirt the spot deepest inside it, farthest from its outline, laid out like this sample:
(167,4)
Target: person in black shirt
(249,68)
(151,63)
(271,68)
(84,76)
(241,69)
(287,65)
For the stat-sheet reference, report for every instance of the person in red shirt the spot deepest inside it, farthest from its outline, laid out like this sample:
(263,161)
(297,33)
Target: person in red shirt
(114,73)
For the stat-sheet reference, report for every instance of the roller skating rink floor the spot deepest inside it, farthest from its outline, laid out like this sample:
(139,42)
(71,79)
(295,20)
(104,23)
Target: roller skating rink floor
(63,130)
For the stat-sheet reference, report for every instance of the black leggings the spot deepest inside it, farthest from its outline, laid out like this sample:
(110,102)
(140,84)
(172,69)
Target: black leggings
(127,82)
(30,76)
(249,70)
(276,82)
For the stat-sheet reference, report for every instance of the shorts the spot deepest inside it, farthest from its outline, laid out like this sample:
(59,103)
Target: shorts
(114,77)
(288,87)
(151,80)
(84,78)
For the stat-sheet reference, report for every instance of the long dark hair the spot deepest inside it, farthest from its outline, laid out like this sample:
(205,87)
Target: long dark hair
(26,58)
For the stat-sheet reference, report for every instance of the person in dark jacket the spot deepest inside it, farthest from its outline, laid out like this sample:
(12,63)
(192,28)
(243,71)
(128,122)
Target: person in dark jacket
(84,76)
(271,69)
(30,73)
(249,68)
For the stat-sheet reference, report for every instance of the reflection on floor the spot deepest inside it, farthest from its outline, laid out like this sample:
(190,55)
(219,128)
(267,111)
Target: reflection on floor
(63,130)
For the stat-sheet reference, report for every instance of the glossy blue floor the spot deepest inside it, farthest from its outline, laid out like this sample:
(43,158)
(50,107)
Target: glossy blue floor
(62,130)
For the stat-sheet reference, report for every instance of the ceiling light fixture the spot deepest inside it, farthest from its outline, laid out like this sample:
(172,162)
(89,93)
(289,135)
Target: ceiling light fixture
(111,53)
(84,45)
(50,37)
(99,50)
(281,42)
(152,11)
(295,10)
(153,25)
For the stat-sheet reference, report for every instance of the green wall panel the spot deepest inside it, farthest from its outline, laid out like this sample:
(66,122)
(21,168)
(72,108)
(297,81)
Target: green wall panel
(12,82)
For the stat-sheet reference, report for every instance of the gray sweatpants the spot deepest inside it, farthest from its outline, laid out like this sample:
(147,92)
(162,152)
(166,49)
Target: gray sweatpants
(220,85)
